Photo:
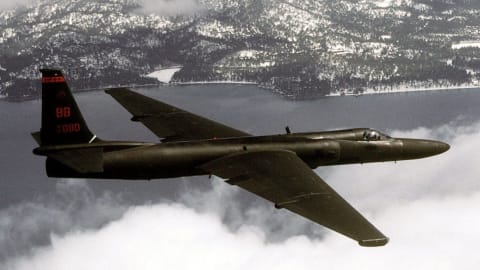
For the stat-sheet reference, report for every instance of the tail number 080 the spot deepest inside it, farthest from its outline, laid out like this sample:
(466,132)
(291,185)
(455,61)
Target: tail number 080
(68,128)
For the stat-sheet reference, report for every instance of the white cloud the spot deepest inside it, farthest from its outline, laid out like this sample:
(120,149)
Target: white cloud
(169,7)
(237,208)
(73,205)
(429,208)
(171,236)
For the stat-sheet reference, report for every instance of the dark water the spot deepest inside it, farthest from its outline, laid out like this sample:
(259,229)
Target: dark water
(260,112)
(249,108)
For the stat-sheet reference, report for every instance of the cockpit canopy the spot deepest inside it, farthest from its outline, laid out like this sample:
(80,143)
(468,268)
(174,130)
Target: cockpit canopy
(374,135)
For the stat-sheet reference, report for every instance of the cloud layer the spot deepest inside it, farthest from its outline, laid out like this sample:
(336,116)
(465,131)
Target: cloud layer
(429,208)
(72,207)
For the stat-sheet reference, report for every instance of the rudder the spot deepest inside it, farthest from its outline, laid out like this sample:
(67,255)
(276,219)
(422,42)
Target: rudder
(62,121)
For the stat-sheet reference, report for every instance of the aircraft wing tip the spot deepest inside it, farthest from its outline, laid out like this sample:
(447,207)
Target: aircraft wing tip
(373,242)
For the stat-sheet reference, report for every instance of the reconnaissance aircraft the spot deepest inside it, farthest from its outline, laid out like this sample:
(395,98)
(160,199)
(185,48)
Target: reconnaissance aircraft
(277,167)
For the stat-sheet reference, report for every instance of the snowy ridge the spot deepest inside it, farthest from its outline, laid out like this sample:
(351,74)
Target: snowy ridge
(300,49)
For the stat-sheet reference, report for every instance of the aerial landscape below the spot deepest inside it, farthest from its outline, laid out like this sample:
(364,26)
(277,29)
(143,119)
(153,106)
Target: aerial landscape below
(298,49)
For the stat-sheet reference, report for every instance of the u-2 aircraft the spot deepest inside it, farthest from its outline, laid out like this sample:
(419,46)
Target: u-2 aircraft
(276,167)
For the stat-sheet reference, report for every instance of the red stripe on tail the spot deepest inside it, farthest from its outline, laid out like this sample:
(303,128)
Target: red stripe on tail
(56,79)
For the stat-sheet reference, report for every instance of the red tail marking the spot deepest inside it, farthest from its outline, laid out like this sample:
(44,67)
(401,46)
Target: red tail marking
(68,128)
(63,112)
(56,79)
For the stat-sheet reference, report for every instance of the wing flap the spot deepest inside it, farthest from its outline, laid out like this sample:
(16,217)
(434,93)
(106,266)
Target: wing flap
(281,177)
(169,122)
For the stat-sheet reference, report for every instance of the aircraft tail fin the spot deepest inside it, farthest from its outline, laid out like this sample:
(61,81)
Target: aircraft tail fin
(62,121)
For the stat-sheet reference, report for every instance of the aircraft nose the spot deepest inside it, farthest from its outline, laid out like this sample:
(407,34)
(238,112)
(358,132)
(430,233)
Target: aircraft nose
(413,148)
(442,147)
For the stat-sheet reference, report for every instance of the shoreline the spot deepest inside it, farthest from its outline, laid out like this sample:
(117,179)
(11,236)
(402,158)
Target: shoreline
(405,91)
(366,93)
(213,82)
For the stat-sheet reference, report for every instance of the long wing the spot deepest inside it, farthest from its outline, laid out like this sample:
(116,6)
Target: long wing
(282,177)
(168,122)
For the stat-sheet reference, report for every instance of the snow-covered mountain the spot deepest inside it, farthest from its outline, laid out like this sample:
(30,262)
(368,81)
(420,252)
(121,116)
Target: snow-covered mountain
(299,48)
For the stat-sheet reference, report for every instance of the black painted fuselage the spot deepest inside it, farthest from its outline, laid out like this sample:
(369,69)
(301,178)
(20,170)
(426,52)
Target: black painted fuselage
(132,160)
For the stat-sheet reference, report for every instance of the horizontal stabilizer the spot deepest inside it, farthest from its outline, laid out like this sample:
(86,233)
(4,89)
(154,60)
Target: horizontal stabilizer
(81,160)
(36,136)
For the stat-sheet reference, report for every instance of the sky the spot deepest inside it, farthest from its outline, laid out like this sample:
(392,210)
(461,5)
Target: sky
(429,208)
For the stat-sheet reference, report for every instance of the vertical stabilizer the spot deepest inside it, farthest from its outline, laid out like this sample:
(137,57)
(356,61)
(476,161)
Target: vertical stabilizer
(62,121)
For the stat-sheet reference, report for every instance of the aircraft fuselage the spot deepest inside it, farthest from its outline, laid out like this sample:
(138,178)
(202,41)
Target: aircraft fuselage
(167,160)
